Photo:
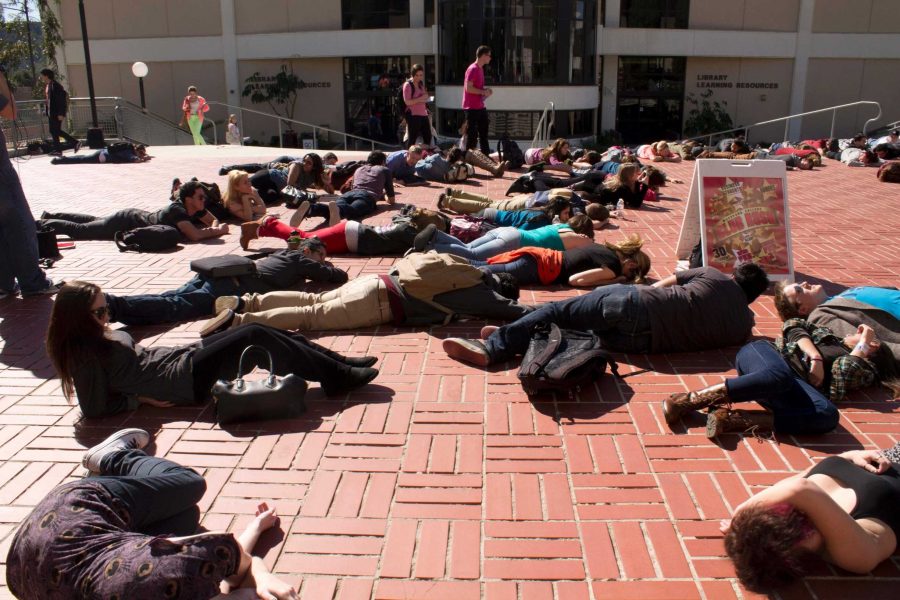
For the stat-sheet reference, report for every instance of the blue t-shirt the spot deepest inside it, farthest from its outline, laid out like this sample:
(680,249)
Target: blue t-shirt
(396,162)
(521,219)
(881,298)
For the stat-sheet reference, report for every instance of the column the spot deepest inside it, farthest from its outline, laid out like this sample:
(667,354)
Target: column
(229,54)
(610,83)
(801,63)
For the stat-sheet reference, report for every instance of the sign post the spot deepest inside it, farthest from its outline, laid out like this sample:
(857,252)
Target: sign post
(738,211)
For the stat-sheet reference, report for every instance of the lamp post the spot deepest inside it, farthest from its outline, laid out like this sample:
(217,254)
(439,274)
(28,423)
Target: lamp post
(94,134)
(140,70)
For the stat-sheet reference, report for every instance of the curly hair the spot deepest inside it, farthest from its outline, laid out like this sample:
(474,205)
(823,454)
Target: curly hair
(786,308)
(763,543)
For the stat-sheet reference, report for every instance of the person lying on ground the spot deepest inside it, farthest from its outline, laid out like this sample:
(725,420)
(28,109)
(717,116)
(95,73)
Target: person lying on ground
(178,214)
(737,150)
(408,295)
(442,168)
(559,209)
(466,203)
(593,265)
(476,158)
(371,182)
(576,232)
(843,510)
(109,373)
(129,530)
(627,185)
(282,270)
(697,309)
(241,199)
(402,165)
(555,157)
(887,151)
(889,172)
(798,380)
(350,236)
(271,178)
(116,153)
(657,152)
(859,157)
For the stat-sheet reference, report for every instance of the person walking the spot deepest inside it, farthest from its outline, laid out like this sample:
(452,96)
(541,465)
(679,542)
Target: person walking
(19,270)
(56,107)
(474,94)
(192,108)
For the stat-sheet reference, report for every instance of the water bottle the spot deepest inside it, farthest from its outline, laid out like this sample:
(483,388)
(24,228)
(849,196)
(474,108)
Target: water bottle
(620,209)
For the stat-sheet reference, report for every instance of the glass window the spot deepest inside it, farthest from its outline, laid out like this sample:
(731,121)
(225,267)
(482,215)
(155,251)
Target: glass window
(429,12)
(521,125)
(655,14)
(370,94)
(650,97)
(364,14)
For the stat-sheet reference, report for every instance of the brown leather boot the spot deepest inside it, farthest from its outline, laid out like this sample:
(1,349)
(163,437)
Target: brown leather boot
(677,405)
(724,420)
(249,231)
(478,159)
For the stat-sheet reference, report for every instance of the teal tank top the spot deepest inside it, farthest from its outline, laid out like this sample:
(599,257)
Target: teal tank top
(544,237)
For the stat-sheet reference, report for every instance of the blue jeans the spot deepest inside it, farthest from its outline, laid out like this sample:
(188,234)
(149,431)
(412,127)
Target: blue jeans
(353,205)
(613,312)
(494,242)
(160,496)
(18,236)
(524,269)
(194,300)
(765,377)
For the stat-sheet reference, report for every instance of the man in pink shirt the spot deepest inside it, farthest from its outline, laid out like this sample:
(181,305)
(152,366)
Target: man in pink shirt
(474,94)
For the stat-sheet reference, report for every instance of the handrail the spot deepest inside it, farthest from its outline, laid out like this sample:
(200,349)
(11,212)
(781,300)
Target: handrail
(541,132)
(787,120)
(315,128)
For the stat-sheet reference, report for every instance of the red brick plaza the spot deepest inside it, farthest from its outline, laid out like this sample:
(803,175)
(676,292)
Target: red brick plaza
(444,481)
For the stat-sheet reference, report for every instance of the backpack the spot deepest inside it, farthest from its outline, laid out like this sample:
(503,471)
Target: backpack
(510,152)
(152,238)
(400,108)
(426,275)
(562,359)
(227,265)
(467,228)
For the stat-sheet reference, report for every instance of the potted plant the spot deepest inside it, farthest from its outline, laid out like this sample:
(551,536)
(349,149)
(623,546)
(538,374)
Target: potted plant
(282,90)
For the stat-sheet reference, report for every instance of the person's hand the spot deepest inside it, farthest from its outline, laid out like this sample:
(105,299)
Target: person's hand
(866,334)
(266,517)
(870,460)
(154,402)
(488,92)
(223,228)
(816,371)
(724,524)
(269,587)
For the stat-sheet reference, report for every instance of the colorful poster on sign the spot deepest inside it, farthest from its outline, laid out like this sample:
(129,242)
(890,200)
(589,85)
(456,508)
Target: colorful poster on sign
(738,211)
(744,221)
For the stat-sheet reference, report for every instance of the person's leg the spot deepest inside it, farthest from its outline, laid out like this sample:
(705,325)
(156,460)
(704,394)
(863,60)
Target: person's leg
(395,239)
(89,158)
(66,135)
(219,354)
(273,227)
(524,269)
(362,302)
(355,205)
(268,190)
(195,125)
(518,203)
(153,490)
(194,300)
(494,242)
(73,217)
(99,229)
(444,242)
(334,238)
(18,238)
(414,126)
(483,123)
(471,128)
(55,127)
(765,377)
(246,167)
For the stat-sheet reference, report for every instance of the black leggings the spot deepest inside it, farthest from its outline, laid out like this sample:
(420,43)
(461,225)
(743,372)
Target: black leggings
(219,354)
(418,125)
(88,227)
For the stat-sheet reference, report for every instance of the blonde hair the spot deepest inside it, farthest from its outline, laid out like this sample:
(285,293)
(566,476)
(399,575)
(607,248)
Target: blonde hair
(232,194)
(631,248)
(659,146)
(625,172)
(232,118)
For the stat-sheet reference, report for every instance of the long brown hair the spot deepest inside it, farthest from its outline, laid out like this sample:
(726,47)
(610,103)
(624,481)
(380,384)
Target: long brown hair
(625,172)
(73,332)
(555,150)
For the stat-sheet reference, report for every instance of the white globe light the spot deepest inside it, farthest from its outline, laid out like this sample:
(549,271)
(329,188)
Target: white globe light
(139,69)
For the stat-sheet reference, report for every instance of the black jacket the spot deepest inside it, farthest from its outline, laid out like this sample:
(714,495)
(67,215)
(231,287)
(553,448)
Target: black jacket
(57,100)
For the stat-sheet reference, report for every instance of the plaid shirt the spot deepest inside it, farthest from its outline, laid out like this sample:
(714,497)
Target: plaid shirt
(848,372)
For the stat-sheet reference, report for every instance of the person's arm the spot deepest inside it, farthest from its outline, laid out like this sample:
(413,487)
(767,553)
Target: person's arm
(666,282)
(482,301)
(93,393)
(195,234)
(243,211)
(321,273)
(258,207)
(595,278)
(389,186)
(798,331)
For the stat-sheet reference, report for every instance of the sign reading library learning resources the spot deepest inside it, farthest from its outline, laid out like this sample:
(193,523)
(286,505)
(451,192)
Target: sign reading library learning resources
(739,211)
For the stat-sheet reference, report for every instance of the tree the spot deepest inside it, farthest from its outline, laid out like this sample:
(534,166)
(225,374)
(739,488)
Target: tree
(706,116)
(25,43)
(281,90)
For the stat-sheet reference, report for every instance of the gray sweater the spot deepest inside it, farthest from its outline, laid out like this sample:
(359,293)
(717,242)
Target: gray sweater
(843,316)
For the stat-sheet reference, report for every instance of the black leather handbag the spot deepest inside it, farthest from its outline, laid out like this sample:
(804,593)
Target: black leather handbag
(562,360)
(275,397)
(227,265)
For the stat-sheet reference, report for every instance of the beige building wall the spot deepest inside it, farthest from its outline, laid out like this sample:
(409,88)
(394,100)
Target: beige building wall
(118,19)
(856,16)
(316,104)
(754,90)
(747,15)
(830,82)
(279,16)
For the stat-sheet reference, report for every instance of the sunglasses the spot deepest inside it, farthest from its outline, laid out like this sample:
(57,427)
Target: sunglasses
(100,312)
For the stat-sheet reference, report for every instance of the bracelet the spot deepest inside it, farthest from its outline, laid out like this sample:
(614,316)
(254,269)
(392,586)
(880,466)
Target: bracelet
(862,347)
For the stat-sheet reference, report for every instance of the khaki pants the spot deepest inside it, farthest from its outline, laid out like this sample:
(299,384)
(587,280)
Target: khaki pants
(362,302)
(467,203)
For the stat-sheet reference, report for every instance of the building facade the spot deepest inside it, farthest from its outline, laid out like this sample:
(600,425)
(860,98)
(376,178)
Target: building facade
(639,67)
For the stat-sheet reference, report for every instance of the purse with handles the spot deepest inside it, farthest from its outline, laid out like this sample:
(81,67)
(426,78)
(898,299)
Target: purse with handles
(275,397)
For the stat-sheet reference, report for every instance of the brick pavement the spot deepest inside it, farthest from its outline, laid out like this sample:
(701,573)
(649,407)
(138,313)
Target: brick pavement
(441,480)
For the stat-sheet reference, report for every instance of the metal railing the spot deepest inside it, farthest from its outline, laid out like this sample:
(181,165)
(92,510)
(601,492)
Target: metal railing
(787,121)
(316,133)
(545,126)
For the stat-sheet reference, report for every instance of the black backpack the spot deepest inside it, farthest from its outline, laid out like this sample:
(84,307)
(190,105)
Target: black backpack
(510,152)
(400,108)
(562,359)
(152,238)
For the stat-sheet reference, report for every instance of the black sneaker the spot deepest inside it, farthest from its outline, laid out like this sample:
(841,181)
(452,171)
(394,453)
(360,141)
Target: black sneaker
(77,147)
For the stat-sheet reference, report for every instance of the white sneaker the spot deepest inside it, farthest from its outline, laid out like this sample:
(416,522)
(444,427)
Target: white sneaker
(299,214)
(126,439)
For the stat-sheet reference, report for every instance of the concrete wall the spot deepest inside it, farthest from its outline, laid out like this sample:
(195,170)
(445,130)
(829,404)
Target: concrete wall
(830,82)
(115,19)
(279,16)
(745,104)
(856,16)
(748,15)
